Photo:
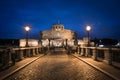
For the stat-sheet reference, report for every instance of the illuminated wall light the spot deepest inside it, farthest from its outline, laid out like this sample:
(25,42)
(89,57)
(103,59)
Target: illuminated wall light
(31,42)
(45,42)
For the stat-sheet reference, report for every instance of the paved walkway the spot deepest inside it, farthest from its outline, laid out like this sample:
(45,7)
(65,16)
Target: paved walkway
(58,67)
(19,65)
(103,67)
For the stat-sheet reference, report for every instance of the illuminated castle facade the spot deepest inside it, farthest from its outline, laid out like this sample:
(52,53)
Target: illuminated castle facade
(58,36)
(58,32)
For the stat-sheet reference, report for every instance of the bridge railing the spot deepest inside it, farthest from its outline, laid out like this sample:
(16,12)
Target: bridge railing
(108,55)
(19,53)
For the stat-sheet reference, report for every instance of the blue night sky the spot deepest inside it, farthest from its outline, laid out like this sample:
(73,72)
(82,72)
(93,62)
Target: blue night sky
(102,15)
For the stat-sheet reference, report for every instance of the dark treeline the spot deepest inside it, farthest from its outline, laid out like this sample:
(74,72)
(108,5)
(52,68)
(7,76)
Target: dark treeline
(9,42)
(105,41)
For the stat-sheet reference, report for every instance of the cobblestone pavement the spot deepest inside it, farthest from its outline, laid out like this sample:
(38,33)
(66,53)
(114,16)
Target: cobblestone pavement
(58,67)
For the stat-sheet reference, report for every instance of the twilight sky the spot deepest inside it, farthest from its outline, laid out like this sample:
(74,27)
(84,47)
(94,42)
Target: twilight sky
(102,15)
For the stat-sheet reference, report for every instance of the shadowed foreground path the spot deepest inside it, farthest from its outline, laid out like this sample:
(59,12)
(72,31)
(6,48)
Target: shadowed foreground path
(58,67)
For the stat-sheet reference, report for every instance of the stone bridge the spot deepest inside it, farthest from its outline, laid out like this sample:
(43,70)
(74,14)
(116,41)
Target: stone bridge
(107,55)
(64,64)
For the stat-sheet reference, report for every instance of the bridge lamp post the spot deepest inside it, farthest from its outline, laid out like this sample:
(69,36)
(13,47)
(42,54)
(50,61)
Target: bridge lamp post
(88,28)
(27,29)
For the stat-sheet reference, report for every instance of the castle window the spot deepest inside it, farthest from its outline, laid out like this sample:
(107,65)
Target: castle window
(62,27)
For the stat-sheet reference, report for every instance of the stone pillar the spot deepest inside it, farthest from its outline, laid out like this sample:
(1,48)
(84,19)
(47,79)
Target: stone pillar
(2,57)
(87,52)
(66,42)
(82,51)
(21,54)
(28,53)
(9,58)
(33,52)
(49,42)
(94,51)
(107,56)
(48,48)
(39,50)
(36,51)
(6,58)
(78,50)
(67,50)
(16,53)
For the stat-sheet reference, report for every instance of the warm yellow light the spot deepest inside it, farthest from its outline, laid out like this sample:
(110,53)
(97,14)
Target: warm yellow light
(88,28)
(27,28)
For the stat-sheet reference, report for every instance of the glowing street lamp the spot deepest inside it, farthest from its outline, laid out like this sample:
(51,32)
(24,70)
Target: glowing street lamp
(88,28)
(27,29)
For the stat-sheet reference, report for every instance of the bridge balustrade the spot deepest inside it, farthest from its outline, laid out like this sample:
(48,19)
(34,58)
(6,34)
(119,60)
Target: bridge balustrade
(107,55)
(20,53)
(100,54)
(116,56)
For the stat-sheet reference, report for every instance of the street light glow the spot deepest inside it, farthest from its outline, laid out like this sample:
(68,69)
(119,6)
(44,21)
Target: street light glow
(27,28)
(88,28)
